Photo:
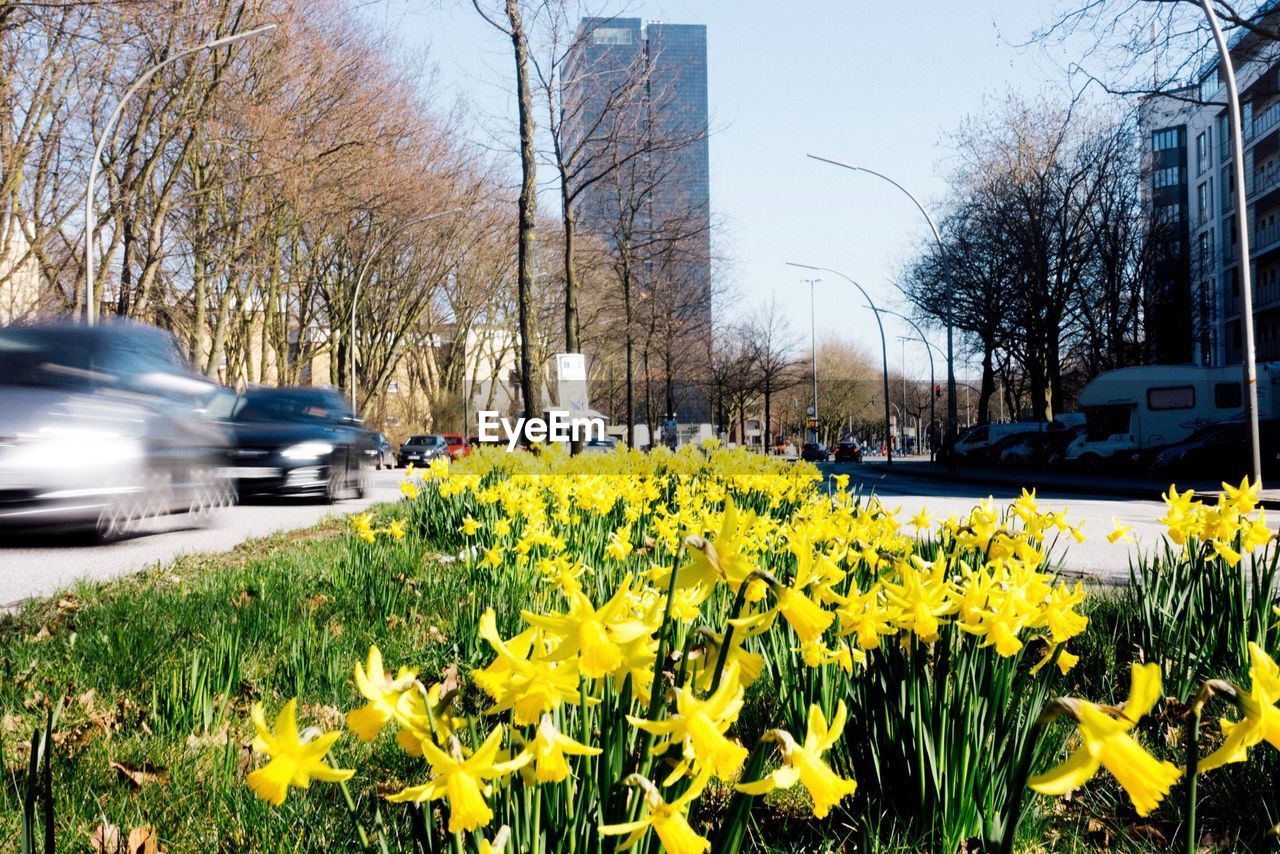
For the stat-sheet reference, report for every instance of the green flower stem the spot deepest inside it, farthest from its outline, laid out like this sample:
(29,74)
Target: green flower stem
(1191,742)
(355,816)
(739,602)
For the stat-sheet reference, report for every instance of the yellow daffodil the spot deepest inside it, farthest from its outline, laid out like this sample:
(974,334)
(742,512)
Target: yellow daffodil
(295,760)
(803,763)
(1242,498)
(922,521)
(382,692)
(521,678)
(363,525)
(668,820)
(409,489)
(395,528)
(425,716)
(463,782)
(597,636)
(470,526)
(1120,532)
(698,726)
(1261,717)
(549,749)
(1107,743)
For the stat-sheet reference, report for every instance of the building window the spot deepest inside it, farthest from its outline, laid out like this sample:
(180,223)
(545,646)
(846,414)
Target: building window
(1204,199)
(1172,176)
(1205,256)
(611,35)
(1226,395)
(393,387)
(1202,152)
(1210,85)
(1165,140)
(1174,397)
(1169,214)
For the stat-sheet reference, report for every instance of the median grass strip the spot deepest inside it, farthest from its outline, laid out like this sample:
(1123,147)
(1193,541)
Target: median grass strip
(153,675)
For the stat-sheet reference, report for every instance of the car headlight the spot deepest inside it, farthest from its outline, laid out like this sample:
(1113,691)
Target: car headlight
(307,451)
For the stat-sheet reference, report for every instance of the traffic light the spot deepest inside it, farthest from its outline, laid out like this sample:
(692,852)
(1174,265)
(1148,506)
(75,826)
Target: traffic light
(813,423)
(937,391)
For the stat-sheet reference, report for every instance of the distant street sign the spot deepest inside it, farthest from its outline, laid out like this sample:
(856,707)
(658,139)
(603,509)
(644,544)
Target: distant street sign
(808,410)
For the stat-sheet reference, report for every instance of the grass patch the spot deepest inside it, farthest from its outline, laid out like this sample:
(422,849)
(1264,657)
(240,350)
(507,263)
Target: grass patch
(154,672)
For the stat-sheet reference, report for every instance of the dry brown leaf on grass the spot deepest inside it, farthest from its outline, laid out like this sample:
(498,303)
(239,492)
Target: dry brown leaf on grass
(449,680)
(143,775)
(43,634)
(217,738)
(106,840)
(326,717)
(143,840)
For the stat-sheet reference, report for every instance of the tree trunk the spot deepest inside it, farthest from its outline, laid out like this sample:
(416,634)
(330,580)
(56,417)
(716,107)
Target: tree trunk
(571,342)
(530,392)
(988,386)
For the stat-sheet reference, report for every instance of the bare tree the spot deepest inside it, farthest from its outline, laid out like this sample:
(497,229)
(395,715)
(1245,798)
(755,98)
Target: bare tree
(774,365)
(530,371)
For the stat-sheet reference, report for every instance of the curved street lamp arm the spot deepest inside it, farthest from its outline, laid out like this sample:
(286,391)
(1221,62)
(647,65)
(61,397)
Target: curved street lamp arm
(884,346)
(932,227)
(108,133)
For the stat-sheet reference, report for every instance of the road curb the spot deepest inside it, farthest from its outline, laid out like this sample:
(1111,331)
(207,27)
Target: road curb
(1148,491)
(1027,480)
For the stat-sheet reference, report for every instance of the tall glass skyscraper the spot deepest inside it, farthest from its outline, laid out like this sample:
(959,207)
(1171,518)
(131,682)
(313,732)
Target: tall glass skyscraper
(635,94)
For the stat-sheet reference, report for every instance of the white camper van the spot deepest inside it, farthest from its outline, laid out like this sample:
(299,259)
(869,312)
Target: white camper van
(1146,406)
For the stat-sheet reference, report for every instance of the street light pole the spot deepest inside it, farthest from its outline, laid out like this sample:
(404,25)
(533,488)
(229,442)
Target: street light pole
(951,362)
(1247,357)
(813,339)
(928,349)
(360,277)
(90,304)
(884,348)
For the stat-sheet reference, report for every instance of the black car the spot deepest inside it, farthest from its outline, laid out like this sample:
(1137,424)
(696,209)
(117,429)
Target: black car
(814,452)
(422,449)
(100,430)
(383,452)
(848,452)
(298,441)
(1219,451)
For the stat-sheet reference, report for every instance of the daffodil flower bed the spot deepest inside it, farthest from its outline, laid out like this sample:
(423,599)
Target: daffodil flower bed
(654,591)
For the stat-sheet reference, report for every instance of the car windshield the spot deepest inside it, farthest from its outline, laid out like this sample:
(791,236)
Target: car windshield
(38,358)
(422,440)
(277,405)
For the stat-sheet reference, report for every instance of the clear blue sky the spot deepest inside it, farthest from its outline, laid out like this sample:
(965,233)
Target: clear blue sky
(880,84)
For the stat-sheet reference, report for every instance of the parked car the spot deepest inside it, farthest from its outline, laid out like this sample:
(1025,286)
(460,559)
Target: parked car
(422,449)
(848,452)
(1220,451)
(983,444)
(383,452)
(607,445)
(297,442)
(458,446)
(1036,450)
(100,430)
(814,452)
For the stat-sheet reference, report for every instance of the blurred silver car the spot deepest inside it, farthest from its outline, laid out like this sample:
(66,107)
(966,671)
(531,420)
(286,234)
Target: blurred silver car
(100,429)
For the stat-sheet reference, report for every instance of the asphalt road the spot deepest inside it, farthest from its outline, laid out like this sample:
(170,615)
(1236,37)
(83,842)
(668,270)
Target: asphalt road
(41,566)
(1094,558)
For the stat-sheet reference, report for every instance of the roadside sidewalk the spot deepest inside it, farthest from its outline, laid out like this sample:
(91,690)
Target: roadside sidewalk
(1123,486)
